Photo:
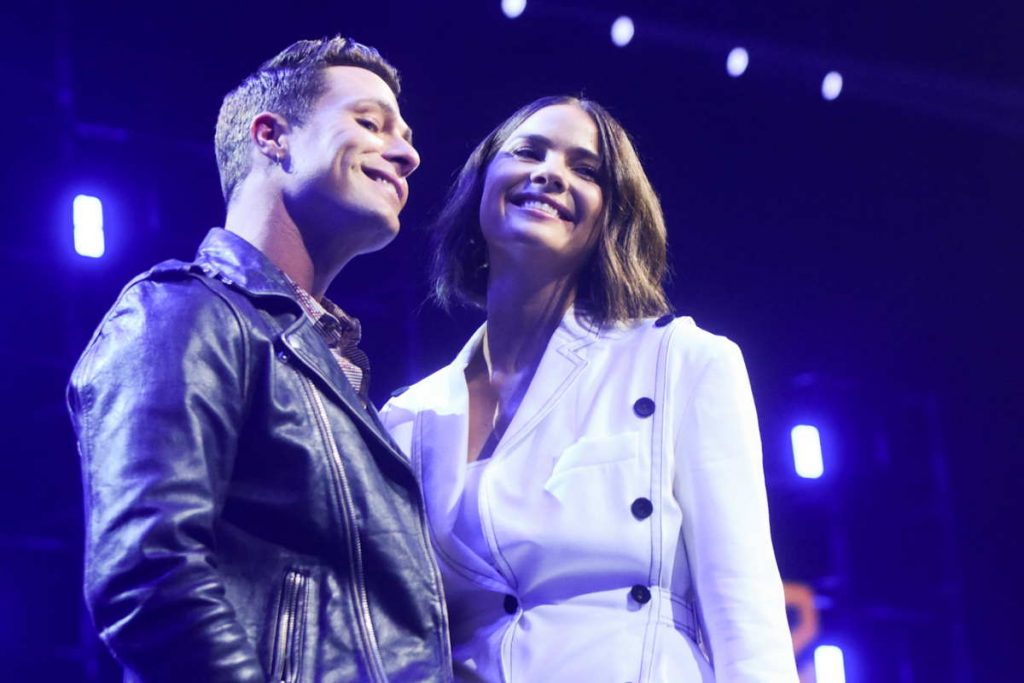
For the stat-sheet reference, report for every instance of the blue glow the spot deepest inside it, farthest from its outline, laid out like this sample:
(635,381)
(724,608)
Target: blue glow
(513,8)
(807,451)
(737,62)
(88,219)
(828,664)
(622,31)
(832,85)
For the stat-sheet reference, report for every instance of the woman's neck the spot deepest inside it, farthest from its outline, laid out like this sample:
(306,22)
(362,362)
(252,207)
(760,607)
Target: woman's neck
(522,314)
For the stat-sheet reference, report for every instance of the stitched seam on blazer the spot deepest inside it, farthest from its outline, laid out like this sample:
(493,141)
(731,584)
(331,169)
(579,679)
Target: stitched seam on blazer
(417,462)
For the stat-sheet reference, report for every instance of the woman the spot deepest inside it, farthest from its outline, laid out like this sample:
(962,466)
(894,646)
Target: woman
(590,464)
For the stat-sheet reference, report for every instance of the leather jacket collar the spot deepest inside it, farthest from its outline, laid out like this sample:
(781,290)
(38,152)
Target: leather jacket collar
(239,263)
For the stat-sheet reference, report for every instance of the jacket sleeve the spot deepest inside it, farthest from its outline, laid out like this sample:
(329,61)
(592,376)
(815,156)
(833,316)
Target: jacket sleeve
(157,404)
(719,483)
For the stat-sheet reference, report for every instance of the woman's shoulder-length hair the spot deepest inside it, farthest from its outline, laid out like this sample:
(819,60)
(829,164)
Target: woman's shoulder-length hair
(622,278)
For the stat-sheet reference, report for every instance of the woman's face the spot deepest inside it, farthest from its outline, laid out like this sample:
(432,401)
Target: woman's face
(542,196)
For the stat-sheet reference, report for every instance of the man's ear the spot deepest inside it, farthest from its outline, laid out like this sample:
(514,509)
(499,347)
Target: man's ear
(269,132)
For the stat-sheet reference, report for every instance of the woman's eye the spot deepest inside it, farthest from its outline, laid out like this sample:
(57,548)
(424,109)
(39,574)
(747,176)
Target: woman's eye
(588,172)
(369,124)
(527,153)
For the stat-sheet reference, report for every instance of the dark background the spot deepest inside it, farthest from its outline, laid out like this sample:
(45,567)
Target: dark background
(864,253)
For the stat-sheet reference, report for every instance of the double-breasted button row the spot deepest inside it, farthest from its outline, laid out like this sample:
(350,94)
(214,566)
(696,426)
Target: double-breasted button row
(640,593)
(511,604)
(642,508)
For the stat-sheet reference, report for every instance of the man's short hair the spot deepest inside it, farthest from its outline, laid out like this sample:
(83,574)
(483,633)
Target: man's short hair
(288,84)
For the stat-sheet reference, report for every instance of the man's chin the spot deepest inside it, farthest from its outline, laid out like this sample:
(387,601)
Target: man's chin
(379,231)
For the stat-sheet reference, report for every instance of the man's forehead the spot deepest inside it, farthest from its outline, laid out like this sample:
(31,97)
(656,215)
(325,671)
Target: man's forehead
(357,83)
(353,87)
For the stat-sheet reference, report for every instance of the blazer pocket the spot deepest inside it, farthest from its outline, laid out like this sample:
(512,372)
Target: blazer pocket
(593,451)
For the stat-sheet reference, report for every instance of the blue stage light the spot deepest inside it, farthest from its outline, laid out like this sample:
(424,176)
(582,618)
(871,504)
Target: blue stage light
(737,61)
(88,220)
(832,85)
(828,664)
(513,8)
(807,451)
(622,31)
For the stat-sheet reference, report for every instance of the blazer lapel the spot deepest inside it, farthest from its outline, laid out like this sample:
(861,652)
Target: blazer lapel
(439,442)
(560,366)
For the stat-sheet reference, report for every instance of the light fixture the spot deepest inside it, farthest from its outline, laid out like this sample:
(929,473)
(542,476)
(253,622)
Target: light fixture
(87,214)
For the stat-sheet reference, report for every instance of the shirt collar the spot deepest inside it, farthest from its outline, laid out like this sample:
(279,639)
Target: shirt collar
(325,312)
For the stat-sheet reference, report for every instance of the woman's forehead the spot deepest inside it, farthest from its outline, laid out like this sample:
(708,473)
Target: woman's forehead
(562,125)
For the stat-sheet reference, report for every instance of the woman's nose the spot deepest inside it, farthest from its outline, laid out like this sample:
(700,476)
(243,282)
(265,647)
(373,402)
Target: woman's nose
(550,175)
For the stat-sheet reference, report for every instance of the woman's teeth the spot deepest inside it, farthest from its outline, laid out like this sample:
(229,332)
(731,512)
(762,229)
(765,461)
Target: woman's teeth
(540,206)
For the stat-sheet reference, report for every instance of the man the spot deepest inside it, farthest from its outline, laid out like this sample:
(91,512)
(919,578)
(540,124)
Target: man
(247,517)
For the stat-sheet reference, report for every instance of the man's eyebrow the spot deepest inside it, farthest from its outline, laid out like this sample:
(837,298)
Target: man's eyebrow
(386,107)
(544,141)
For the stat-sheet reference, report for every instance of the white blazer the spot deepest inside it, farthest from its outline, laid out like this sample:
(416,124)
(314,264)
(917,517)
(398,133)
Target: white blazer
(624,509)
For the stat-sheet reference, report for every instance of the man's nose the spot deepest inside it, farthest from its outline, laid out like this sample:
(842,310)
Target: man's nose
(403,156)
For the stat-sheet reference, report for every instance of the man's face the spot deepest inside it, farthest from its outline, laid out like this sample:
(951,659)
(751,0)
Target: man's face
(348,163)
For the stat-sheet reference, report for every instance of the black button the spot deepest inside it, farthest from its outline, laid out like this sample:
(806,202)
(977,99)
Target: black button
(282,356)
(511,604)
(664,320)
(640,593)
(641,508)
(644,407)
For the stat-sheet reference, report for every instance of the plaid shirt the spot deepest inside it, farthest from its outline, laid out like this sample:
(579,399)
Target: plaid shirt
(342,334)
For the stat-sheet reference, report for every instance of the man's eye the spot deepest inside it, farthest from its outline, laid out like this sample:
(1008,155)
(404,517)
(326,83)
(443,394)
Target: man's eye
(369,124)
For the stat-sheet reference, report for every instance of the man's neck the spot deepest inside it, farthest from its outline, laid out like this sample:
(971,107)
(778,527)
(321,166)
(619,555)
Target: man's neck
(261,220)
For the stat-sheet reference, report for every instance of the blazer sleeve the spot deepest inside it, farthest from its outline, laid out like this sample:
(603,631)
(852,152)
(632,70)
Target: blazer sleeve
(157,405)
(719,483)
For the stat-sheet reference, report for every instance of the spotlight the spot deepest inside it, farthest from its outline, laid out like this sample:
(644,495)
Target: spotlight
(807,451)
(622,31)
(832,85)
(87,213)
(737,61)
(828,664)
(513,8)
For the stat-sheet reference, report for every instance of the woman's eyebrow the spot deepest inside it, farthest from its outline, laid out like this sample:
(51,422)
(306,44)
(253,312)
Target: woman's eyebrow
(544,141)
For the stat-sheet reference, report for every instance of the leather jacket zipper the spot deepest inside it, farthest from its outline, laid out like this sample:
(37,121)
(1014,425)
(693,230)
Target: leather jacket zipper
(439,582)
(287,662)
(362,607)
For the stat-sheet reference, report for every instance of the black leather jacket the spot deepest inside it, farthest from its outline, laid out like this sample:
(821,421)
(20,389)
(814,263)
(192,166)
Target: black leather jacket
(247,518)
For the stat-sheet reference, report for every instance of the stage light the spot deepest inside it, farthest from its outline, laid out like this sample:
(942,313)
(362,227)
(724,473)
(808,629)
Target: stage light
(513,8)
(807,451)
(737,61)
(828,664)
(832,85)
(622,31)
(87,213)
